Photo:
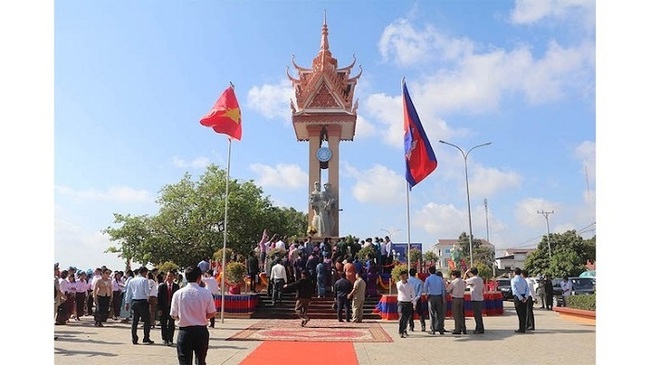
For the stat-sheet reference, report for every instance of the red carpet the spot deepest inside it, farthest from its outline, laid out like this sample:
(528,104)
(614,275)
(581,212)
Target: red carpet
(286,353)
(317,330)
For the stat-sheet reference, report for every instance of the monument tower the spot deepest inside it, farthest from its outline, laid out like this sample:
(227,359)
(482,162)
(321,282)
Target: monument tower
(324,115)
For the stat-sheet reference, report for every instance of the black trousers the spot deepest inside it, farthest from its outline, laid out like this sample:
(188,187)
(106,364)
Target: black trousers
(477,309)
(420,311)
(343,303)
(458,312)
(140,309)
(520,308)
(167,326)
(530,317)
(192,341)
(103,305)
(405,310)
(436,313)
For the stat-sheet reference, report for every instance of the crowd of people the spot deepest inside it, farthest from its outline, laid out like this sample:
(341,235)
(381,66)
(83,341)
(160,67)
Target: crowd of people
(184,303)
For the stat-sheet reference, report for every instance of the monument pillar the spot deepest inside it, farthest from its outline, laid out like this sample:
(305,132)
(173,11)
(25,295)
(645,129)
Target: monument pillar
(324,115)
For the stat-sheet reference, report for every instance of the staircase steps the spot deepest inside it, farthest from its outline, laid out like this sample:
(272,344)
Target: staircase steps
(319,308)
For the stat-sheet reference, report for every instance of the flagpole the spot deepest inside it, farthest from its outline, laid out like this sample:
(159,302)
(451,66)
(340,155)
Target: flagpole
(225,236)
(408,206)
(408,227)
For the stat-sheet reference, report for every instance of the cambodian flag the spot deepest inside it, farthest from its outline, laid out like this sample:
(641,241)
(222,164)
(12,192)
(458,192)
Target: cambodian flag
(420,158)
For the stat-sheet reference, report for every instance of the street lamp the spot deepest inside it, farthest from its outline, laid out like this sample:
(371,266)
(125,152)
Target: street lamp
(390,233)
(469,211)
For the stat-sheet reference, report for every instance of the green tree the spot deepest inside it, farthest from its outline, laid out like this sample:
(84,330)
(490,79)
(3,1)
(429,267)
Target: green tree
(190,222)
(480,254)
(569,254)
(132,237)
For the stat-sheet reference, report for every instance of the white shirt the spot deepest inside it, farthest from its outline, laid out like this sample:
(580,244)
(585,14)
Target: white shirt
(389,248)
(137,288)
(153,288)
(531,288)
(278,272)
(382,248)
(64,284)
(211,284)
(475,288)
(405,292)
(191,305)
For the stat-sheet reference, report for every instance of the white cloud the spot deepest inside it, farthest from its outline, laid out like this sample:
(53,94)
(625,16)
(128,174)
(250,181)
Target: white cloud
(199,163)
(272,101)
(122,194)
(472,80)
(441,220)
(388,111)
(407,46)
(488,181)
(84,250)
(533,11)
(526,212)
(282,175)
(376,185)
(364,128)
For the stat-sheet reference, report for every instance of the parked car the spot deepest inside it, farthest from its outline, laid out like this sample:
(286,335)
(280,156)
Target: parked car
(503,285)
(582,285)
(578,286)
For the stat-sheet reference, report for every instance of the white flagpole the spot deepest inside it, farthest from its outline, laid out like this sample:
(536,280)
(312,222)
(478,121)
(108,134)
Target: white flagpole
(408,208)
(225,236)
(408,227)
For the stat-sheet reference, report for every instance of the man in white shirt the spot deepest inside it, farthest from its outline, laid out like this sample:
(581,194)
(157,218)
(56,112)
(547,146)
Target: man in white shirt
(192,306)
(137,298)
(406,300)
(389,250)
(278,278)
(213,286)
(530,303)
(475,284)
(457,290)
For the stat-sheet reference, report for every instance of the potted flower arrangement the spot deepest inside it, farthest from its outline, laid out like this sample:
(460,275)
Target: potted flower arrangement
(235,272)
(311,230)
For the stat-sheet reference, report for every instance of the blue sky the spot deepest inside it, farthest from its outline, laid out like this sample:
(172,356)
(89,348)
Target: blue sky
(132,79)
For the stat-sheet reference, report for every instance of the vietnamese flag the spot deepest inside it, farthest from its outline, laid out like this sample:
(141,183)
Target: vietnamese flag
(225,115)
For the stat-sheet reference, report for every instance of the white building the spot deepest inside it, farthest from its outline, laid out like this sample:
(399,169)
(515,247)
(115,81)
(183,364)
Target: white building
(512,257)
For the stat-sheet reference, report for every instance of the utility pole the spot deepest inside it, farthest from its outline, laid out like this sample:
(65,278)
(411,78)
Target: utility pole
(548,231)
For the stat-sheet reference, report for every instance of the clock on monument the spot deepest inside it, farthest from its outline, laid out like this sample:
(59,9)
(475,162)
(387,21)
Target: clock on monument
(323,154)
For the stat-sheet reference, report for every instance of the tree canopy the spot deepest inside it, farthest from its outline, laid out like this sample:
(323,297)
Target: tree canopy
(569,254)
(190,222)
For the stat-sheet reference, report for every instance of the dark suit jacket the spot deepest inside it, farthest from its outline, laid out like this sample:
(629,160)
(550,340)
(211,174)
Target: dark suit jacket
(164,301)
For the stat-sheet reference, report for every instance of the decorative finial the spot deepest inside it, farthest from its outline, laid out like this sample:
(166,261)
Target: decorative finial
(325,17)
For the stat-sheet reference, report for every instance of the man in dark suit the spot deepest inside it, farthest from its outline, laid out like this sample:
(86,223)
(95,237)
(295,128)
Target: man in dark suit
(165,292)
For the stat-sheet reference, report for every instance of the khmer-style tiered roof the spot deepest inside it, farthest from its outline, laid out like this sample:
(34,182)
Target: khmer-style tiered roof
(324,94)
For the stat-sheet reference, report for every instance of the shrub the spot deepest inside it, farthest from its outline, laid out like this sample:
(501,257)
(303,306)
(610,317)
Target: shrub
(585,302)
(363,253)
(218,255)
(396,270)
(235,272)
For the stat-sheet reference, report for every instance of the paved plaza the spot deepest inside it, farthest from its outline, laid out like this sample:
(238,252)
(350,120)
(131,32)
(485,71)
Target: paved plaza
(556,340)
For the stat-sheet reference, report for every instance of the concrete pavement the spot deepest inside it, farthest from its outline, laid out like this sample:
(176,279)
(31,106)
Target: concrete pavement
(556,340)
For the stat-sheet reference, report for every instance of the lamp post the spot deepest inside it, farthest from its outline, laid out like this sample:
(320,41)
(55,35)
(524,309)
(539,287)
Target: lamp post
(390,233)
(469,211)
